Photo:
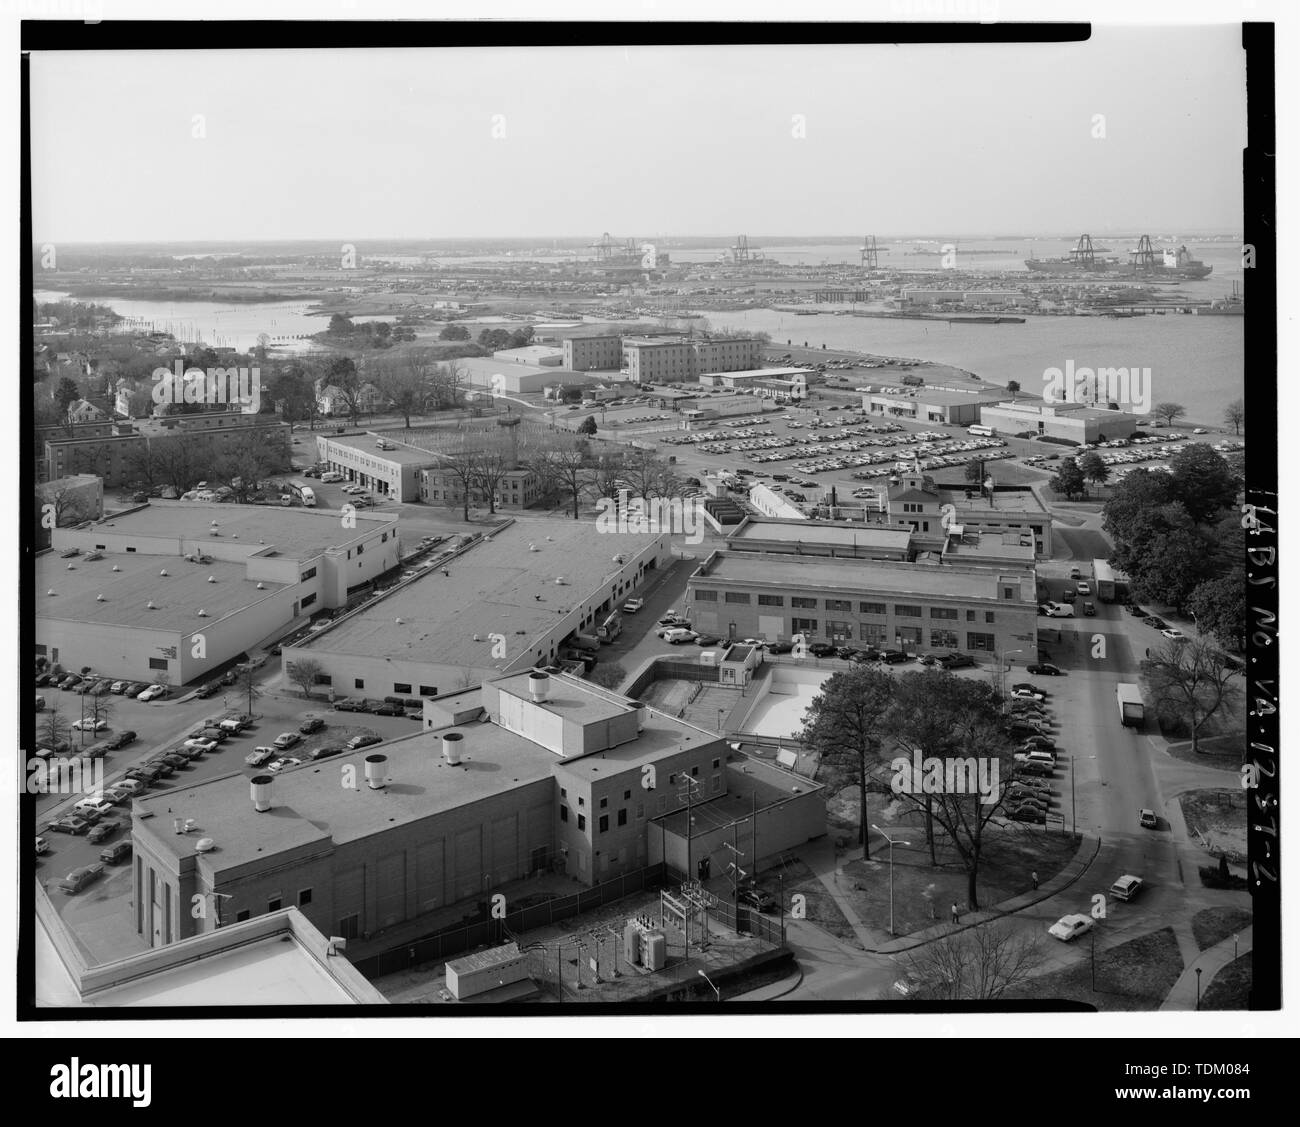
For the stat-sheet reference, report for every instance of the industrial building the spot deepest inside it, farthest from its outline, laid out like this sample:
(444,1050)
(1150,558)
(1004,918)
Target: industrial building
(387,466)
(600,353)
(932,405)
(922,295)
(181,589)
(1075,422)
(534,355)
(524,775)
(517,378)
(506,603)
(785,385)
(673,359)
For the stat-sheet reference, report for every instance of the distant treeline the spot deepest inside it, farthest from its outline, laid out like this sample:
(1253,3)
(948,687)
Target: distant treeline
(178,293)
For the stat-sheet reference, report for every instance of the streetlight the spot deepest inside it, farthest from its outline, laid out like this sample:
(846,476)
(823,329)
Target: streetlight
(1198,987)
(1002,670)
(719,992)
(892,843)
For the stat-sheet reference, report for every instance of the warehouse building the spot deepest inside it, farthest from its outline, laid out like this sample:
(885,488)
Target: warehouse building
(534,355)
(382,464)
(506,603)
(515,378)
(527,774)
(182,589)
(1075,422)
(930,405)
(785,385)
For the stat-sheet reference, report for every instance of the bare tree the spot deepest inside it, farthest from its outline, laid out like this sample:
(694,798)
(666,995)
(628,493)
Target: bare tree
(1168,411)
(55,729)
(1190,679)
(1234,414)
(978,964)
(404,386)
(570,471)
(491,465)
(303,672)
(462,467)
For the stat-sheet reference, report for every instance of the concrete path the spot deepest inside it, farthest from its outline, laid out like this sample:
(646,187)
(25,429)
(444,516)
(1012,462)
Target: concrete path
(820,857)
(1209,962)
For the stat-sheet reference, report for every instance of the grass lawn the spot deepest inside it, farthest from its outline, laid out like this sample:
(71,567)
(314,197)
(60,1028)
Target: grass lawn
(1223,752)
(923,894)
(1219,815)
(1230,989)
(1136,975)
(1213,925)
(819,905)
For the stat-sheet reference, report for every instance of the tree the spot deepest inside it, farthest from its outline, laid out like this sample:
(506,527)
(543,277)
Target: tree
(608,675)
(588,425)
(978,964)
(303,671)
(1234,414)
(568,469)
(1190,681)
(246,460)
(447,381)
(341,373)
(1068,479)
(1220,608)
(454,332)
(405,385)
(843,723)
(1093,468)
(1203,481)
(494,340)
(246,685)
(521,338)
(463,468)
(1013,386)
(66,394)
(490,468)
(1169,412)
(55,729)
(291,391)
(975,471)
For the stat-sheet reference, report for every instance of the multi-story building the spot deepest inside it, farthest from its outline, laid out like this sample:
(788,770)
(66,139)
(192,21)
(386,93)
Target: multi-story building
(180,590)
(516,489)
(598,353)
(377,461)
(674,359)
(528,773)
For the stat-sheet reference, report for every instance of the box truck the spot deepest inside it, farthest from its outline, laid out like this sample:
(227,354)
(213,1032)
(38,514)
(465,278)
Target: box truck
(1130,705)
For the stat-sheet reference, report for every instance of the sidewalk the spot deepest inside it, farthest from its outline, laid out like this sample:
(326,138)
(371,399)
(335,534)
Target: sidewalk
(1210,962)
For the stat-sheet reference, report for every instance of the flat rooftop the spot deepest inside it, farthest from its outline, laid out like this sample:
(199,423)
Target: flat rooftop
(795,532)
(309,807)
(763,373)
(497,586)
(177,597)
(1034,408)
(989,547)
(368,444)
(1004,500)
(803,572)
(941,397)
(295,532)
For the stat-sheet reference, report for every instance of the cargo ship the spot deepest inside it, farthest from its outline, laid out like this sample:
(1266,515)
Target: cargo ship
(1082,259)
(1149,262)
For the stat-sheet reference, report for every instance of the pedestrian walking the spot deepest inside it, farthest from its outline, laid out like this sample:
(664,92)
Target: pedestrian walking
(1034,878)
(956,915)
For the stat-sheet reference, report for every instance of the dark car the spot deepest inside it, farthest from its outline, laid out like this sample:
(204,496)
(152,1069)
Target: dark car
(118,851)
(821,649)
(1089,609)
(844,652)
(315,724)
(43,679)
(757,898)
(1030,686)
(211,689)
(928,659)
(1155,622)
(895,657)
(708,639)
(102,832)
(1043,669)
(325,752)
(164,766)
(175,758)
(383,708)
(120,740)
(70,824)
(1135,610)
(348,704)
(956,661)
(1026,813)
(76,880)
(144,773)
(1023,728)
(70,681)
(1038,742)
(780,647)
(363,741)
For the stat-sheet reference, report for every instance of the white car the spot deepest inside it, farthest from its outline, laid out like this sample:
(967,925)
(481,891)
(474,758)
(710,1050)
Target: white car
(89,725)
(1172,633)
(1199,430)
(42,846)
(152,693)
(278,765)
(93,805)
(259,755)
(1028,694)
(633,605)
(1070,927)
(286,740)
(200,745)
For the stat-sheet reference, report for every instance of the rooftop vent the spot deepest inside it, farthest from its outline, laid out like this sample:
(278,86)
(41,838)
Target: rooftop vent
(116,568)
(71,568)
(539,686)
(641,712)
(50,591)
(451,742)
(376,771)
(163,572)
(259,788)
(204,845)
(202,613)
(147,606)
(212,578)
(99,598)
(398,621)
(261,586)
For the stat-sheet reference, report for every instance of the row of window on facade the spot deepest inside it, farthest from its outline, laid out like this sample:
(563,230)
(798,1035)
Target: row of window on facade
(797,602)
(881,634)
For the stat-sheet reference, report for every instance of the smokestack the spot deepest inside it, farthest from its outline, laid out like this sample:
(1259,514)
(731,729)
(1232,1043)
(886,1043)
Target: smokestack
(451,742)
(260,792)
(376,771)
(639,708)
(539,685)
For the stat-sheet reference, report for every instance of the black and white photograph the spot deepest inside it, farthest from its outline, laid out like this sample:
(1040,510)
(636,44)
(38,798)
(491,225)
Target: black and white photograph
(717,523)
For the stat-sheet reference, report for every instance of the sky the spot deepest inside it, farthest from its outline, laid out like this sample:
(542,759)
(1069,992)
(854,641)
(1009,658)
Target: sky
(1135,129)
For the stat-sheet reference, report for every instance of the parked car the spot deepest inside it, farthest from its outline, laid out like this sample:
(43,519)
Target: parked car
(1034,768)
(118,851)
(102,832)
(70,824)
(235,723)
(1147,819)
(956,661)
(707,639)
(153,692)
(348,704)
(1043,669)
(1089,609)
(200,744)
(1075,573)
(1082,589)
(211,689)
(144,774)
(780,647)
(821,649)
(162,764)
(1174,634)
(1026,813)
(278,765)
(119,793)
(1028,692)
(71,681)
(286,740)
(1127,887)
(76,880)
(89,724)
(1038,743)
(135,688)
(1155,622)
(895,657)
(363,741)
(43,679)
(383,708)
(42,846)
(1135,610)
(259,756)
(1070,927)
(120,740)
(176,758)
(315,724)
(755,897)
(325,752)
(633,605)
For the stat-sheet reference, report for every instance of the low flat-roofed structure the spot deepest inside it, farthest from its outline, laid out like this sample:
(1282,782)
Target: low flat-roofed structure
(826,538)
(1076,422)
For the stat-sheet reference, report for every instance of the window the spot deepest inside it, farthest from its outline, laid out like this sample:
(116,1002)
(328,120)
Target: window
(564,792)
(988,616)
(876,633)
(970,616)
(324,679)
(428,690)
(909,635)
(706,596)
(360,549)
(564,813)
(604,803)
(640,811)
(582,821)
(943,639)
(310,573)
(716,784)
(622,816)
(663,803)
(771,600)
(399,688)
(583,802)
(839,631)
(157,663)
(717,763)
(839,604)
(738,597)
(803,625)
(943,612)
(604,823)
(350,926)
(799,603)
(304,897)
(906,610)
(627,794)
(307,600)
(241,915)
(980,641)
(872,608)
(695,772)
(273,904)
(359,683)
